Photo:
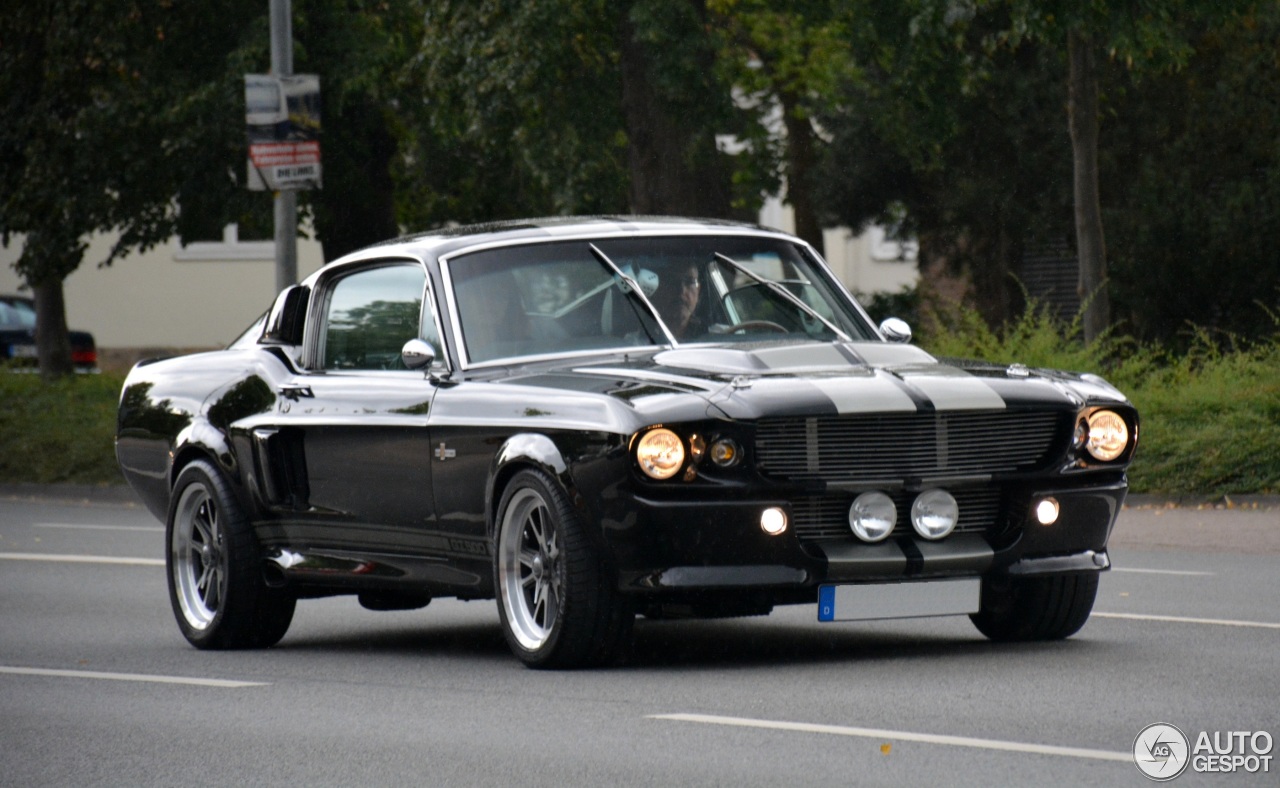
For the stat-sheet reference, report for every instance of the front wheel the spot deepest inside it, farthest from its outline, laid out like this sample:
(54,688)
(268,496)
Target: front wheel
(557,600)
(1035,608)
(216,585)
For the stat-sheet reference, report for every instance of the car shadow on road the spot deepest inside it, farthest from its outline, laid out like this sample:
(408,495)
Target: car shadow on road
(739,643)
(709,644)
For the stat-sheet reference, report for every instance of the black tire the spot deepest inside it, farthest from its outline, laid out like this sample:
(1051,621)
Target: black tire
(216,585)
(557,599)
(1035,608)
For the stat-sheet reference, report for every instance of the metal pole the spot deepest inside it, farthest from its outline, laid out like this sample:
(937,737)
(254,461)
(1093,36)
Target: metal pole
(286,200)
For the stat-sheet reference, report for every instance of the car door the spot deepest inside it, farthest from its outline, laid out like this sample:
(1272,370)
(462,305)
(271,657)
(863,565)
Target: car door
(354,420)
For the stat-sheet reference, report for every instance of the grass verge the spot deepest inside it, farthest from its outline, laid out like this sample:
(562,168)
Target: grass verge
(61,432)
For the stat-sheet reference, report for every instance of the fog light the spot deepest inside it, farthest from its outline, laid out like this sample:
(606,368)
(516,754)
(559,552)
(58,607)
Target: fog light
(872,516)
(934,514)
(773,521)
(1047,511)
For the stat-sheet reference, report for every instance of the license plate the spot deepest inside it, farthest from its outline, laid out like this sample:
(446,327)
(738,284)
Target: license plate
(899,600)
(22,351)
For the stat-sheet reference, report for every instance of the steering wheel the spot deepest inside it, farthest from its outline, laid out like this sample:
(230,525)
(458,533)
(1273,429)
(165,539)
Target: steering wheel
(768,325)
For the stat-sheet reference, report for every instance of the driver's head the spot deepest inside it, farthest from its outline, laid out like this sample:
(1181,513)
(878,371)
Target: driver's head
(677,296)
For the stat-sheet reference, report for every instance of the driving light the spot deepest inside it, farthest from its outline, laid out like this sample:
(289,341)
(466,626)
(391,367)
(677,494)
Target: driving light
(660,453)
(725,452)
(934,514)
(773,521)
(1047,511)
(1108,435)
(872,516)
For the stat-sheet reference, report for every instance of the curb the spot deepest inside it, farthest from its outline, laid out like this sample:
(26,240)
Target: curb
(1148,501)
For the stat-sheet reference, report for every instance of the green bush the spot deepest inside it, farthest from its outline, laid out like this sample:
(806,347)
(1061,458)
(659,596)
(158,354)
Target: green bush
(62,432)
(1210,417)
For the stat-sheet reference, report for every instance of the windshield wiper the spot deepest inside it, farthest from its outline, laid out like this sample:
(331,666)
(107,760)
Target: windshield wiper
(791,297)
(631,287)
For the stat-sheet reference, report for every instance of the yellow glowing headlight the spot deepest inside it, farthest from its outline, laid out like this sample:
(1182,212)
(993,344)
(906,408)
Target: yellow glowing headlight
(1108,435)
(660,453)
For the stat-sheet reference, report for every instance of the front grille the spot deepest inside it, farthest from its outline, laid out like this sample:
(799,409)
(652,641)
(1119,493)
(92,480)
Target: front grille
(827,516)
(904,446)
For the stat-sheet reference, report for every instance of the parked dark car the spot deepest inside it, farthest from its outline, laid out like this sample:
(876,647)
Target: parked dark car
(18,337)
(594,419)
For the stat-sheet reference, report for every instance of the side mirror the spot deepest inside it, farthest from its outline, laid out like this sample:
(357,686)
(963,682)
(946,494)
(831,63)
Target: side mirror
(417,354)
(896,330)
(287,318)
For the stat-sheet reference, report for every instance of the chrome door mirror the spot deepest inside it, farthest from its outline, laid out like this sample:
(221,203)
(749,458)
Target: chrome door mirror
(417,354)
(896,330)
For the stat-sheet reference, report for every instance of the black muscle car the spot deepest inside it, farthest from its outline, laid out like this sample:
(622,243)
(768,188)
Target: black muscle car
(594,419)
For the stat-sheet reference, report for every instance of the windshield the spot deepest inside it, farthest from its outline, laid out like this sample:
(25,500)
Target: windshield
(550,298)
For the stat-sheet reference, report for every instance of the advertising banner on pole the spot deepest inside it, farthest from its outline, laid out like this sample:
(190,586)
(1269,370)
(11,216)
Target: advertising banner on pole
(282,125)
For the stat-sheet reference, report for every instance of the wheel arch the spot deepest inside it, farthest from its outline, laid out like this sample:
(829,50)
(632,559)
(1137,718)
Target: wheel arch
(202,441)
(519,452)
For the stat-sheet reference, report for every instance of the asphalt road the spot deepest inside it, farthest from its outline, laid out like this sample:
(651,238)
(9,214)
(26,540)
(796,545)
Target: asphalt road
(97,687)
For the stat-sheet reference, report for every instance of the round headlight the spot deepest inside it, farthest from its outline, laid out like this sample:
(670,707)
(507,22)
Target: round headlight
(872,516)
(660,453)
(934,514)
(725,452)
(1108,435)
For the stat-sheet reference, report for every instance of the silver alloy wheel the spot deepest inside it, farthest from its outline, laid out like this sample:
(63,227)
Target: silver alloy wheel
(197,557)
(530,573)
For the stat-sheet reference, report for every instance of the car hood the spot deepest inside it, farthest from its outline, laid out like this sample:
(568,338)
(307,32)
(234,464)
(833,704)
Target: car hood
(788,379)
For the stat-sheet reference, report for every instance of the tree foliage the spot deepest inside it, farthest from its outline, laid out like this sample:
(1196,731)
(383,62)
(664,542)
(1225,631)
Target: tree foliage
(946,118)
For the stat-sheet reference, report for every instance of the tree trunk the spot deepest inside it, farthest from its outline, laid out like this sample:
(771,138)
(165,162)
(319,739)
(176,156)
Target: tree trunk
(53,341)
(1090,245)
(674,165)
(800,164)
(356,207)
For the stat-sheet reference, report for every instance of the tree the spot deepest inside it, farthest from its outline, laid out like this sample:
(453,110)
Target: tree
(1194,171)
(568,106)
(786,61)
(103,103)
(1148,36)
(943,138)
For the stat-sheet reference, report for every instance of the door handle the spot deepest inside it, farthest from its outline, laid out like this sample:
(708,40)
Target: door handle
(295,392)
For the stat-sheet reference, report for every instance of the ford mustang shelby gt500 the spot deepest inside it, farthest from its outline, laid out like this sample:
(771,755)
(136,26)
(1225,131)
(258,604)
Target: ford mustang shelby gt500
(594,419)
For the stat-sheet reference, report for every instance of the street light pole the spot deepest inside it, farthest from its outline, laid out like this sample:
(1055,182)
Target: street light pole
(286,200)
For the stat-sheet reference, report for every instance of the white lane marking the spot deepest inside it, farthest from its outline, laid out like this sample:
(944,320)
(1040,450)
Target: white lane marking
(82,559)
(882,734)
(1223,622)
(1185,572)
(93,674)
(87,527)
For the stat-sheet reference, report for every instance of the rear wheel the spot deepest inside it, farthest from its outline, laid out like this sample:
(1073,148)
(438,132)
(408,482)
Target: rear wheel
(216,586)
(557,600)
(1035,608)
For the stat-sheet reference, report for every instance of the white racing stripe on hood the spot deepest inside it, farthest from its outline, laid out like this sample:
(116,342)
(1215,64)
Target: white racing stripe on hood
(954,389)
(872,394)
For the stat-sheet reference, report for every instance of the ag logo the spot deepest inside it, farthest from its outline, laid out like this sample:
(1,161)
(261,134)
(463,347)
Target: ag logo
(1161,751)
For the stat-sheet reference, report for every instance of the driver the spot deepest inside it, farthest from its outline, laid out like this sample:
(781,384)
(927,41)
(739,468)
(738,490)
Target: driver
(677,300)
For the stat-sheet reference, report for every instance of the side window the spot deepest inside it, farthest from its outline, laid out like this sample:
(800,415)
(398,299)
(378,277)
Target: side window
(369,316)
